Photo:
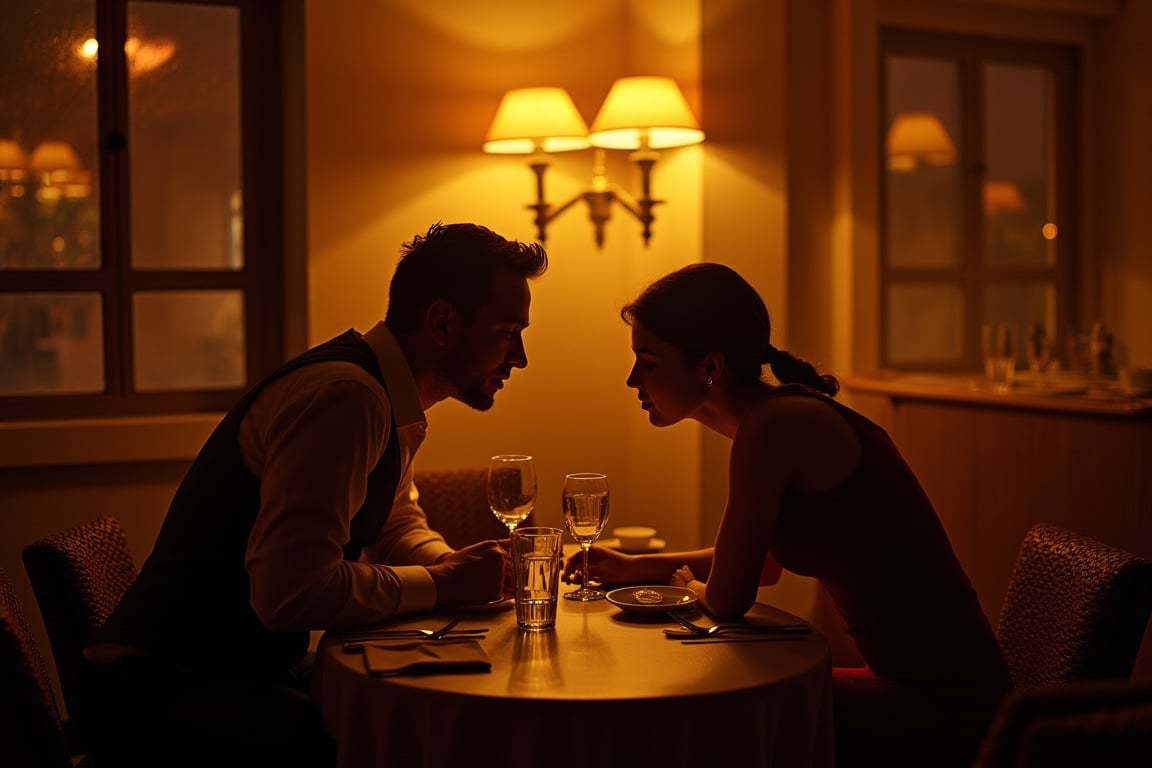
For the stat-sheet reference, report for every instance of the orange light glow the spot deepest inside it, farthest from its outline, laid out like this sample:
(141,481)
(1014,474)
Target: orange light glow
(1048,231)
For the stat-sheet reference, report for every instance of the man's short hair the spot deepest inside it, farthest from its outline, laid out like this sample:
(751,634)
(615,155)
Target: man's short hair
(456,263)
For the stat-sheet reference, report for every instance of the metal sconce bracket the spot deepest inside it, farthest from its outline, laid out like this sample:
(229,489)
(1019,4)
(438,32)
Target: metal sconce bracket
(600,198)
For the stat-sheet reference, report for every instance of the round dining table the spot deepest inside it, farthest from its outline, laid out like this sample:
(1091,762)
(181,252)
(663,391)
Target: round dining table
(605,687)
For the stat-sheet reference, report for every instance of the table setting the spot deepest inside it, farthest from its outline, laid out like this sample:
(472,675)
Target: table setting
(580,670)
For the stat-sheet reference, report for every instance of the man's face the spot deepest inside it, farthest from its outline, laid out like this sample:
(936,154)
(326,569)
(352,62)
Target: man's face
(482,357)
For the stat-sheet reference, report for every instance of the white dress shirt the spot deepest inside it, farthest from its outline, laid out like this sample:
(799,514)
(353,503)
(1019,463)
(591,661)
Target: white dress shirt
(312,436)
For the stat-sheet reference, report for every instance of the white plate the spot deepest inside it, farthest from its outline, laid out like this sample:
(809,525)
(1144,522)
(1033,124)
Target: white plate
(654,545)
(671,599)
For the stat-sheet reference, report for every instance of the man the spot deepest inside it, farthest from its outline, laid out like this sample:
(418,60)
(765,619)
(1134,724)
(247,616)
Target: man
(299,514)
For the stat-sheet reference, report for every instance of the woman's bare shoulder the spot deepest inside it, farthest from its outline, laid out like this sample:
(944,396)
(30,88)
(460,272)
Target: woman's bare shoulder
(798,420)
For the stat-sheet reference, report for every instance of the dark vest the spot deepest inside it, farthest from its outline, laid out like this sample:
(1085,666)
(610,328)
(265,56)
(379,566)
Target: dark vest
(190,601)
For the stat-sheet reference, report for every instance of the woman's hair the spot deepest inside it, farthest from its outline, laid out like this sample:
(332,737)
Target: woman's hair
(708,307)
(455,262)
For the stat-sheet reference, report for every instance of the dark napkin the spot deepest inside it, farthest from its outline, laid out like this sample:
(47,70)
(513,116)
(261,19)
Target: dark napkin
(425,657)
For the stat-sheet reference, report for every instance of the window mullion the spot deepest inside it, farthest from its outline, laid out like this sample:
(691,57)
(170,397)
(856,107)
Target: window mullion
(112,87)
(974,163)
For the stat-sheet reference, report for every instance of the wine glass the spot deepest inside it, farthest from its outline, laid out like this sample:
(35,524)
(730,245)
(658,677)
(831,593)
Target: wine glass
(1039,349)
(585,512)
(511,488)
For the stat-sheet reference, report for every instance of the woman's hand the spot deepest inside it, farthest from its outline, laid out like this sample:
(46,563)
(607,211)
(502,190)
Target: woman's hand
(509,571)
(606,564)
(682,577)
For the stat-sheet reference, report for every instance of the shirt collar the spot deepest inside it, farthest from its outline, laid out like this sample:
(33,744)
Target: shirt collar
(397,375)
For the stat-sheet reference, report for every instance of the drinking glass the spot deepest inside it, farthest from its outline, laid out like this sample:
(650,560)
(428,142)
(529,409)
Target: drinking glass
(999,356)
(511,488)
(585,512)
(1039,349)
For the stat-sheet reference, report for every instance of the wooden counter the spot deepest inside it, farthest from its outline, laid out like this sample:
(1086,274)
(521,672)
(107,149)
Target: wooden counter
(994,464)
(1067,394)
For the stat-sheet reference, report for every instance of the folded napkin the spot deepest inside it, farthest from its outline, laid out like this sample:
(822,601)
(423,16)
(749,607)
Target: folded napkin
(425,657)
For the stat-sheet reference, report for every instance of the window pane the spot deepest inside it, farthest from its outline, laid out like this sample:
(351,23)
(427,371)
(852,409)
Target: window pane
(184,91)
(925,323)
(922,209)
(51,343)
(1018,195)
(49,209)
(188,340)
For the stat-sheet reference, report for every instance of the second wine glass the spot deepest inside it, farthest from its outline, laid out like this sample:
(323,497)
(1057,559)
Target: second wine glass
(585,512)
(511,488)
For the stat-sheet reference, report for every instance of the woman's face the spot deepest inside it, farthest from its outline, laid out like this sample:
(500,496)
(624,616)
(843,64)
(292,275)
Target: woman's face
(669,388)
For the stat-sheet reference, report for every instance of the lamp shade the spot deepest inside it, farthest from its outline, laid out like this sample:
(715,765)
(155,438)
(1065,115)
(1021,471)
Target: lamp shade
(645,110)
(1002,196)
(53,156)
(11,156)
(536,119)
(918,137)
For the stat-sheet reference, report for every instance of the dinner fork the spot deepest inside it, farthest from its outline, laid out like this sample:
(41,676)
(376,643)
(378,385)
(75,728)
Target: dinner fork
(356,642)
(699,631)
(428,634)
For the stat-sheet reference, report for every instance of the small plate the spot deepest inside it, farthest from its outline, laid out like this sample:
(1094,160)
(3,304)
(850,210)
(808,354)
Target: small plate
(654,545)
(671,599)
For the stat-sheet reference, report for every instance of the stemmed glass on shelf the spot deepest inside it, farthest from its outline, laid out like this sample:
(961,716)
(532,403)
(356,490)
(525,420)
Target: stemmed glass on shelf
(585,512)
(511,488)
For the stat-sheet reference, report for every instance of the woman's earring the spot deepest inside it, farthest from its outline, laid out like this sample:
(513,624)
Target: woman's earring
(707,381)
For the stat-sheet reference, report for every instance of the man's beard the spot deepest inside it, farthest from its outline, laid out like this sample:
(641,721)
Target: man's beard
(477,398)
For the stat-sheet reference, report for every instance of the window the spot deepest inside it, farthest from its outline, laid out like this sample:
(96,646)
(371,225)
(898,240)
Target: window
(979,195)
(140,205)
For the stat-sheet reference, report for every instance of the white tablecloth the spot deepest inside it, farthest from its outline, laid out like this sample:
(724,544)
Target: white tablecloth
(604,688)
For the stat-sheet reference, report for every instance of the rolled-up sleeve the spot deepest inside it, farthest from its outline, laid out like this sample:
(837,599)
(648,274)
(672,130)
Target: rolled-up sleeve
(313,437)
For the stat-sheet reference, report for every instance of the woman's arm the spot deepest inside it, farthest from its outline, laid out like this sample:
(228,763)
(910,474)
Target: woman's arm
(613,567)
(760,467)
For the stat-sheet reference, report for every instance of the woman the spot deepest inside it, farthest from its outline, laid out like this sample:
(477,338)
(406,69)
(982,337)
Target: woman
(818,489)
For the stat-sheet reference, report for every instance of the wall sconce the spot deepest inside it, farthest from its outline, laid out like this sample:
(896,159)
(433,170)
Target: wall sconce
(642,114)
(917,138)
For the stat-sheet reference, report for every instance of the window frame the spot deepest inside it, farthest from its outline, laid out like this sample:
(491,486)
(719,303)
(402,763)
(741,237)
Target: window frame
(262,277)
(973,51)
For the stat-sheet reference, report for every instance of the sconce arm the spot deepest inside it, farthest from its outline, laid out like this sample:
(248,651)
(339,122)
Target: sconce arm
(599,200)
(544,210)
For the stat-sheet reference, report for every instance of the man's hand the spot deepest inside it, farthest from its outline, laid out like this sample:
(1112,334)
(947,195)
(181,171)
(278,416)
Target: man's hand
(509,570)
(472,575)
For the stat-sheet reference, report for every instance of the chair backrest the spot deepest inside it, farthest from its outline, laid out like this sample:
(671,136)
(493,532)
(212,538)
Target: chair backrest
(1075,609)
(31,733)
(1086,723)
(456,504)
(78,577)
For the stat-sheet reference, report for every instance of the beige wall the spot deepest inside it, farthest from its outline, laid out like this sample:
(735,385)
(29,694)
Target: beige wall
(398,96)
